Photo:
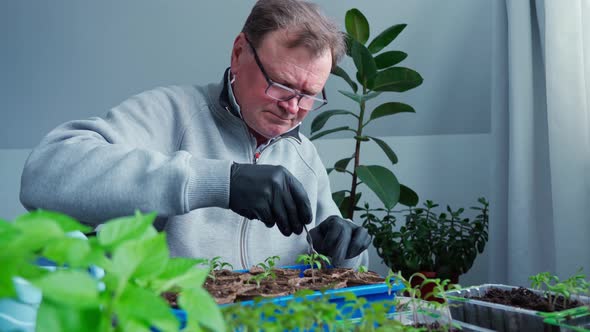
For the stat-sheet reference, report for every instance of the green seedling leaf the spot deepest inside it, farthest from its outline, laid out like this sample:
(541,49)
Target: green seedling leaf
(338,71)
(382,182)
(35,234)
(391,109)
(390,58)
(119,230)
(193,278)
(386,37)
(201,310)
(75,289)
(68,250)
(330,131)
(141,258)
(54,316)
(385,147)
(65,223)
(320,120)
(356,25)
(396,79)
(141,305)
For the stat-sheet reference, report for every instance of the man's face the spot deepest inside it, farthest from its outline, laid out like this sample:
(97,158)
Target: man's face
(295,68)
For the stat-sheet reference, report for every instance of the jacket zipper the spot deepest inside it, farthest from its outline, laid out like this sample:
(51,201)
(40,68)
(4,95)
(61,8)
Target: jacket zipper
(244,225)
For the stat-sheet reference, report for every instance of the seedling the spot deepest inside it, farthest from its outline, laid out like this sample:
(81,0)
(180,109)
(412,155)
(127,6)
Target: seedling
(216,263)
(268,273)
(552,287)
(313,260)
(418,306)
(137,266)
(363,269)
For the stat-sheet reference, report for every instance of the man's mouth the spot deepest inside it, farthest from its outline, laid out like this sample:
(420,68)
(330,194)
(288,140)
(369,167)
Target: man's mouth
(281,118)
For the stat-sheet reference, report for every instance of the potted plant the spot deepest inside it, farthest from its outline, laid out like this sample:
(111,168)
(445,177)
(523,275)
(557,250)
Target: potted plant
(377,72)
(444,245)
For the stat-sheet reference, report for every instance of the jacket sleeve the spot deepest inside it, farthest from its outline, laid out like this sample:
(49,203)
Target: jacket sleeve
(102,168)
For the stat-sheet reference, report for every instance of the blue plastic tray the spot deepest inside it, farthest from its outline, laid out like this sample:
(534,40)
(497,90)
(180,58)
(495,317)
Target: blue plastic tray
(372,293)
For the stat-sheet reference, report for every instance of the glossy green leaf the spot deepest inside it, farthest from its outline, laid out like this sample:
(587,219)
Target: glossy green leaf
(338,71)
(364,63)
(382,182)
(356,25)
(323,117)
(390,58)
(340,165)
(385,147)
(407,196)
(344,206)
(201,310)
(386,37)
(329,131)
(360,98)
(391,108)
(338,197)
(329,170)
(70,287)
(396,79)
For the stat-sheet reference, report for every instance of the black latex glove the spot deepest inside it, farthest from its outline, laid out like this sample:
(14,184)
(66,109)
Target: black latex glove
(339,239)
(270,194)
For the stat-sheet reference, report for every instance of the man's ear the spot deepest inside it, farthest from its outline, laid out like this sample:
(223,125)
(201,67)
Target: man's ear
(238,52)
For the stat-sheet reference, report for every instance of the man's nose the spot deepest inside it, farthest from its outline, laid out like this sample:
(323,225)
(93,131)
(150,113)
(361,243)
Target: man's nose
(290,105)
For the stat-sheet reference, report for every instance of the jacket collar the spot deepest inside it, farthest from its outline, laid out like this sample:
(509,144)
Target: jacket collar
(228,102)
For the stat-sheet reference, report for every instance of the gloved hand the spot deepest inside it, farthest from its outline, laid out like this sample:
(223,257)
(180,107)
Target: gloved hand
(270,194)
(339,239)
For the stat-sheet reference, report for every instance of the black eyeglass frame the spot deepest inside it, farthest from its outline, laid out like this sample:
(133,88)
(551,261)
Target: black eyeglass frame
(296,93)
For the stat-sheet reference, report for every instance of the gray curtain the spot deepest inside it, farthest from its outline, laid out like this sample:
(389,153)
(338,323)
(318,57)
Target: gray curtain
(541,132)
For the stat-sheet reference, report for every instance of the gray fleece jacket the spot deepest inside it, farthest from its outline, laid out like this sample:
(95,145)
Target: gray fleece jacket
(170,150)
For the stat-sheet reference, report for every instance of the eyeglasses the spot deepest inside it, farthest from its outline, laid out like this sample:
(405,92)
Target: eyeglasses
(280,92)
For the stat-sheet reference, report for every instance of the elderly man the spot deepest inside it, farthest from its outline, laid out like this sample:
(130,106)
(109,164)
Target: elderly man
(224,165)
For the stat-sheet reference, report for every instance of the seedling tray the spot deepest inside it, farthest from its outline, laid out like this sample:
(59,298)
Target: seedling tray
(494,316)
(372,293)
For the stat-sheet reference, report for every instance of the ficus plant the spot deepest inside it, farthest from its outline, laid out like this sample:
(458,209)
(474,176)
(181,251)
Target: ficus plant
(137,270)
(377,71)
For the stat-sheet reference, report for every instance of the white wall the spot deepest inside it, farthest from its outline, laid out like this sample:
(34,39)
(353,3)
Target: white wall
(64,59)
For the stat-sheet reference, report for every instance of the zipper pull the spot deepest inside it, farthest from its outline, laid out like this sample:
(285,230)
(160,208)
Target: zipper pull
(256,156)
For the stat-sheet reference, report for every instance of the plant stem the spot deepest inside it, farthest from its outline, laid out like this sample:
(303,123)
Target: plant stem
(357,155)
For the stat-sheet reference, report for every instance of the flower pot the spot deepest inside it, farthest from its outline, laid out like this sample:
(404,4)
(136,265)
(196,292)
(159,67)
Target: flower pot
(427,289)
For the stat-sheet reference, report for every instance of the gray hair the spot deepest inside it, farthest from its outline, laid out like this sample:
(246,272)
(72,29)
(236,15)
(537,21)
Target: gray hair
(312,29)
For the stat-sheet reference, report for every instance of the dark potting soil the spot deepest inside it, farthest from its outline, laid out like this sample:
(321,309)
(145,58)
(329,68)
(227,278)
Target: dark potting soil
(228,286)
(436,327)
(525,298)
